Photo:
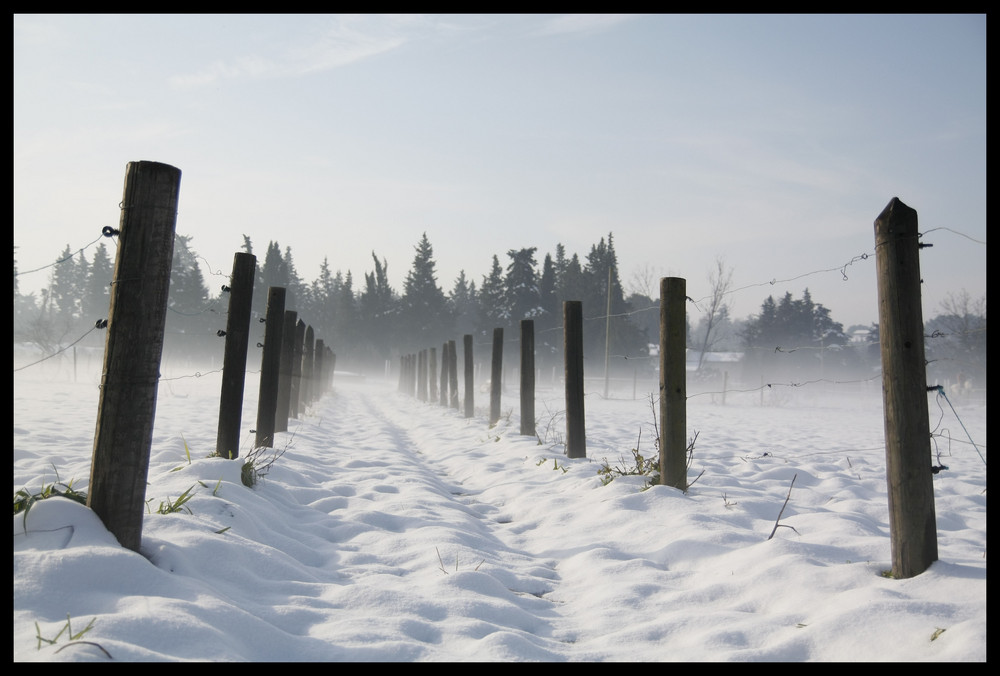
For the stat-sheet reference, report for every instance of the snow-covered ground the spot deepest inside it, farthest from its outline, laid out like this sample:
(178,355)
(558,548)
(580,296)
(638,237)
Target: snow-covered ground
(388,529)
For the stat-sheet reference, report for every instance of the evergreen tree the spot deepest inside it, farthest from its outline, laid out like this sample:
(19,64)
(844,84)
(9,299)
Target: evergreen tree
(345,333)
(64,289)
(192,321)
(296,292)
(790,337)
(464,305)
(97,299)
(324,295)
(548,297)
(493,310)
(522,294)
(378,309)
(423,304)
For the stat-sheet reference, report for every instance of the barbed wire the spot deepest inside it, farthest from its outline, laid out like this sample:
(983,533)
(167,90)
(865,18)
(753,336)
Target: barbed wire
(63,260)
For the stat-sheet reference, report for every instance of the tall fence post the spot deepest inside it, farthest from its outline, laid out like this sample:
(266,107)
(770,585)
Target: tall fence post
(527,377)
(576,434)
(912,522)
(133,348)
(270,367)
(285,370)
(496,376)
(234,362)
(673,383)
(469,376)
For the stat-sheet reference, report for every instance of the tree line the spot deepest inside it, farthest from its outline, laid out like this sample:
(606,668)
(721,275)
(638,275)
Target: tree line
(370,322)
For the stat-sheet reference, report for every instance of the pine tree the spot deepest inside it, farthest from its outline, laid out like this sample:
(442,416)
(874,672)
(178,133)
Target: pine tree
(493,310)
(464,305)
(423,304)
(97,299)
(378,309)
(523,297)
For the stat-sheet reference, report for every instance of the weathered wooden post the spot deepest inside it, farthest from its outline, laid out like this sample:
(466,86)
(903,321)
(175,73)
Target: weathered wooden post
(576,433)
(133,348)
(673,383)
(528,377)
(496,376)
(444,374)
(469,376)
(234,361)
(305,392)
(285,370)
(319,375)
(270,367)
(432,374)
(296,391)
(422,375)
(912,521)
(453,373)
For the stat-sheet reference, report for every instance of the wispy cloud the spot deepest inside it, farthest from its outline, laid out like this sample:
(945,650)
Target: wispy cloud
(343,41)
(582,23)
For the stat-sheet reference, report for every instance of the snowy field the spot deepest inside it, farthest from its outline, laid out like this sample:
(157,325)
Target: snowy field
(394,530)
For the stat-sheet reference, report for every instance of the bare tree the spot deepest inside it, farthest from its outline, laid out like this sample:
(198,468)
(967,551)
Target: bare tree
(720,280)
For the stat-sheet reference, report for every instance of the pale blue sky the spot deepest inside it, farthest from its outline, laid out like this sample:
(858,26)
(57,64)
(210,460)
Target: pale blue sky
(771,141)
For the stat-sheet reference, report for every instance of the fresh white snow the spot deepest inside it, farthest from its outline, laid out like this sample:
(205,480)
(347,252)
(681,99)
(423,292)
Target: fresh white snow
(389,529)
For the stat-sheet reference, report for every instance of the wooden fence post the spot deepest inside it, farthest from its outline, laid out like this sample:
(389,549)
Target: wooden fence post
(432,374)
(295,394)
(285,371)
(422,375)
(133,348)
(444,373)
(305,393)
(469,376)
(527,377)
(912,521)
(673,383)
(270,367)
(576,433)
(234,361)
(319,375)
(453,373)
(496,376)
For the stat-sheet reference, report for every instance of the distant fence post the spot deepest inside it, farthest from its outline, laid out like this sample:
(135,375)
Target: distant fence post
(444,373)
(270,367)
(432,375)
(912,521)
(285,371)
(295,393)
(673,383)
(133,348)
(234,364)
(527,377)
(576,433)
(453,373)
(422,375)
(319,375)
(469,376)
(306,393)
(496,376)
